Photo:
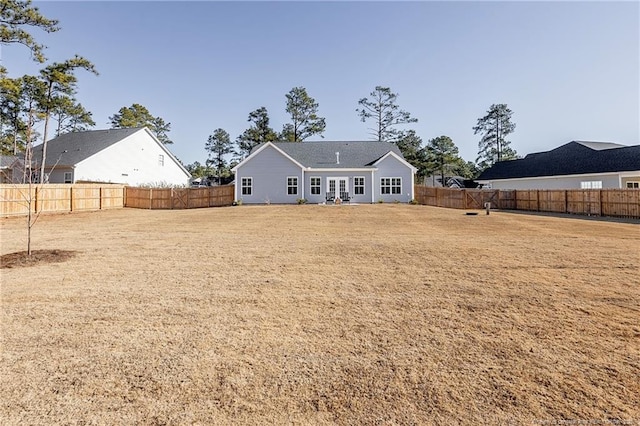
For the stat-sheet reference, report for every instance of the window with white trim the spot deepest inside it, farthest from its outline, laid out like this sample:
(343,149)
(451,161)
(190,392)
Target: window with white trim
(358,185)
(315,186)
(246,185)
(292,185)
(591,184)
(391,186)
(68,177)
(632,185)
(160,160)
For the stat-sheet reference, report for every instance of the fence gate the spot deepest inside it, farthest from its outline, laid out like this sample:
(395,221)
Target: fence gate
(473,200)
(492,197)
(476,199)
(180,199)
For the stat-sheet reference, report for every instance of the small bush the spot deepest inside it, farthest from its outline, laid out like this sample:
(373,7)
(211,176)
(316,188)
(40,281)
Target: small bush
(302,201)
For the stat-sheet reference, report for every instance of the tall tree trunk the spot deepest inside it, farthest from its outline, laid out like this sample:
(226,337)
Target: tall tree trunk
(498,136)
(46,128)
(15,140)
(28,156)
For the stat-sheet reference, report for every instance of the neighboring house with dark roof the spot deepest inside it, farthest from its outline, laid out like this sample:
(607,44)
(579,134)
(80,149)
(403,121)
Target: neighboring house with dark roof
(575,165)
(456,182)
(285,172)
(132,156)
(11,169)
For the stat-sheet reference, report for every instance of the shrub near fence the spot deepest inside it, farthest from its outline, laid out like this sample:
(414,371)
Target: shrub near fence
(598,202)
(179,198)
(59,198)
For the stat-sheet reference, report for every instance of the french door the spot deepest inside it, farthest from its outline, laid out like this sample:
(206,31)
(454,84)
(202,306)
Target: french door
(337,185)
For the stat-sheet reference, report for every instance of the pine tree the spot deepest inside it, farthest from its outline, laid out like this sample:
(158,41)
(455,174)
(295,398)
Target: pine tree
(305,121)
(259,132)
(218,145)
(382,108)
(494,128)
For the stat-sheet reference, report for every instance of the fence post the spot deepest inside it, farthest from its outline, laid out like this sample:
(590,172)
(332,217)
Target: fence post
(586,203)
(71,198)
(600,202)
(566,201)
(100,195)
(150,197)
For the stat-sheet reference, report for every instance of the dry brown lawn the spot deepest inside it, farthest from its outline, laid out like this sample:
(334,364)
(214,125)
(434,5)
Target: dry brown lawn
(370,314)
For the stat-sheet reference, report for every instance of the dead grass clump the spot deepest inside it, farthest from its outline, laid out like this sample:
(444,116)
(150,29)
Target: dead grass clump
(21,259)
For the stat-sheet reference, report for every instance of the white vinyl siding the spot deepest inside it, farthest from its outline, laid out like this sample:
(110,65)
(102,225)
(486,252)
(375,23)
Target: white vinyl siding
(132,161)
(609,181)
(315,185)
(161,160)
(390,185)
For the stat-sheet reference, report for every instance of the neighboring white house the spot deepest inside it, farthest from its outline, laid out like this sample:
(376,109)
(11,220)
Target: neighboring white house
(132,156)
(575,165)
(286,172)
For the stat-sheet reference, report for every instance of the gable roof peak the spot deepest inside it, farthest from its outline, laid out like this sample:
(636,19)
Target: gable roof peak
(599,146)
(322,154)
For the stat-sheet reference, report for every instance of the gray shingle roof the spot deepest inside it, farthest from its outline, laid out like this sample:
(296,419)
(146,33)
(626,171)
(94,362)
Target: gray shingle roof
(322,154)
(573,158)
(7,160)
(72,148)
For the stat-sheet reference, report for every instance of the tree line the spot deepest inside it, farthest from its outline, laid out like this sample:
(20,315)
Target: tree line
(439,156)
(50,96)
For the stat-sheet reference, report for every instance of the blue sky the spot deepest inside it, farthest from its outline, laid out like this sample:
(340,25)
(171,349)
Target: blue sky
(568,70)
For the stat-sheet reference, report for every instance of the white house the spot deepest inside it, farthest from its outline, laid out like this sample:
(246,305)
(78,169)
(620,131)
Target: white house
(324,171)
(575,165)
(132,156)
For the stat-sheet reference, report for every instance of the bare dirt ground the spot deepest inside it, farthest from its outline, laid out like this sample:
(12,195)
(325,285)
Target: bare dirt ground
(370,314)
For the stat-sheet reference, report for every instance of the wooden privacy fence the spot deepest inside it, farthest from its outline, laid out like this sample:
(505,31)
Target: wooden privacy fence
(179,198)
(462,198)
(598,202)
(15,200)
